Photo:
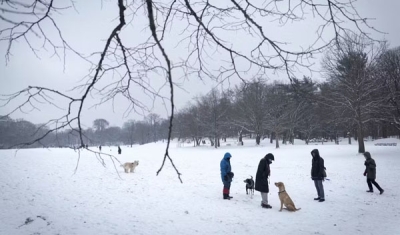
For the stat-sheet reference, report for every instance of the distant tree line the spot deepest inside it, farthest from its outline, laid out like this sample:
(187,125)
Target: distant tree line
(360,98)
(13,133)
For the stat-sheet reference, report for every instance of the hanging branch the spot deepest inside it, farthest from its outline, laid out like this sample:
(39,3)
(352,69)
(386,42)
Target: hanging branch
(169,76)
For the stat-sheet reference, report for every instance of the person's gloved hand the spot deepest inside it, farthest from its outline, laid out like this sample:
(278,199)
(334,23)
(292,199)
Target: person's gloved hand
(365,173)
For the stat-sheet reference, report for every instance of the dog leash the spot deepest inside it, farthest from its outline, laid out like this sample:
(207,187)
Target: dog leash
(269,182)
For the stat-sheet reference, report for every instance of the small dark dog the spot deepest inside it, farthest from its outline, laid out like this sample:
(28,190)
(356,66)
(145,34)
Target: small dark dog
(249,185)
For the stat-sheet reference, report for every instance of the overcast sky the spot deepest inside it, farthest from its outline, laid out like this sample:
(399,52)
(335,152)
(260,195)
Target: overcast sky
(86,31)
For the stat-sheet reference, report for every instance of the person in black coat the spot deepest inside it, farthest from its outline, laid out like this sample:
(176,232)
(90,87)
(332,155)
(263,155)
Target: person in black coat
(263,172)
(370,173)
(119,150)
(318,174)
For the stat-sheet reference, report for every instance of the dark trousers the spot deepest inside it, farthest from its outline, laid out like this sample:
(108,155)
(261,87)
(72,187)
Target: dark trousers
(320,188)
(227,186)
(371,182)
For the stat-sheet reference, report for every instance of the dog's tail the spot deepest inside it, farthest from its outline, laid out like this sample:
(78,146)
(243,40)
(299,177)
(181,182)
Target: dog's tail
(292,209)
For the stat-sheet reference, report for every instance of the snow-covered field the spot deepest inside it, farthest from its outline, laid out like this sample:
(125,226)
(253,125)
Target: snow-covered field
(39,194)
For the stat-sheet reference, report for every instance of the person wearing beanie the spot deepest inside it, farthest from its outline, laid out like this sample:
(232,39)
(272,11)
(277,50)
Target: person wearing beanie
(226,175)
(262,175)
(370,173)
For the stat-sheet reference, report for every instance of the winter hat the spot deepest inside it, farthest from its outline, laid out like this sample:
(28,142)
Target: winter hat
(270,156)
(367,155)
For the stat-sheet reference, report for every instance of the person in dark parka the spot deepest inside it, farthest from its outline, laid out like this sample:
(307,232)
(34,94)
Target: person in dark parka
(317,174)
(119,150)
(226,175)
(263,172)
(370,172)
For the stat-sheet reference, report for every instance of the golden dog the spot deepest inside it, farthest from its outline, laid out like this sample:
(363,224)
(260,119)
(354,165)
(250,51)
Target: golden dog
(284,198)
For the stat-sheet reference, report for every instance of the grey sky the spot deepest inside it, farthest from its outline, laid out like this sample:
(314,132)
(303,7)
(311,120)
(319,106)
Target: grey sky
(86,31)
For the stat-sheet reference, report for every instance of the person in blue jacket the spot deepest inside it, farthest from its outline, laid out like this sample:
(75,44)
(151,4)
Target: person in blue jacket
(226,175)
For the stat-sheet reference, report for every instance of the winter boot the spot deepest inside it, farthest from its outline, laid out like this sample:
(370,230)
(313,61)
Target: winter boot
(317,198)
(382,191)
(225,192)
(370,191)
(321,200)
(266,206)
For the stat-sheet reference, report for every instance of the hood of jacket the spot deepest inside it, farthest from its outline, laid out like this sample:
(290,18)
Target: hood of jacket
(227,156)
(367,155)
(315,153)
(270,157)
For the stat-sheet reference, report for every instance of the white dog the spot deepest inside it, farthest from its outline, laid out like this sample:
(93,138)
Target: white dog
(130,166)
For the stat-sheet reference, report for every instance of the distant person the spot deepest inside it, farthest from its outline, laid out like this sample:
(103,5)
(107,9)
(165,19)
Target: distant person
(226,175)
(318,174)
(262,175)
(100,147)
(119,150)
(370,172)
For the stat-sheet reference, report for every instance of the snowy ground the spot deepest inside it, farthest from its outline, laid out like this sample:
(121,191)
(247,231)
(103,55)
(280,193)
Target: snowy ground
(39,184)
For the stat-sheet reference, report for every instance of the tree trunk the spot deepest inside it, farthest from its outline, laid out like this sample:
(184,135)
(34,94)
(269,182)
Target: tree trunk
(384,131)
(284,138)
(308,138)
(258,137)
(272,138)
(292,138)
(277,140)
(241,137)
(337,138)
(349,136)
(361,146)
(356,136)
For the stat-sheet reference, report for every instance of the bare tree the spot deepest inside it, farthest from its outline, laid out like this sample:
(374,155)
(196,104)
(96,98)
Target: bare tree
(278,107)
(388,68)
(213,109)
(204,28)
(154,122)
(192,124)
(250,108)
(100,124)
(129,130)
(352,87)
